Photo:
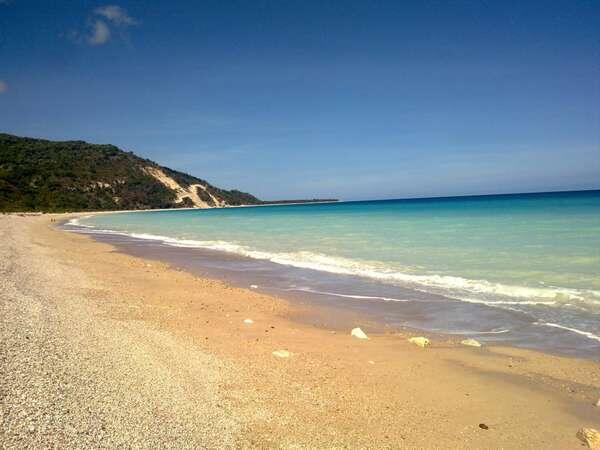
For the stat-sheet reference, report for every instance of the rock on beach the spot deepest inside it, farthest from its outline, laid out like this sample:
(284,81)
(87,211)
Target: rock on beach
(358,333)
(471,343)
(419,341)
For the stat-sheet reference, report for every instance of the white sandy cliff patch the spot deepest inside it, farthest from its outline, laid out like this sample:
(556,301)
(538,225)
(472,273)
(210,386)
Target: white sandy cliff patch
(183,192)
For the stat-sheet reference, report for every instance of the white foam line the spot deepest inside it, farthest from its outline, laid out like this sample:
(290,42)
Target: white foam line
(587,334)
(362,297)
(75,222)
(492,332)
(452,285)
(471,332)
(502,302)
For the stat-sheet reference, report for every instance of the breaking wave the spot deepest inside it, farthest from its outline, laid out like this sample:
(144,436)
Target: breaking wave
(587,334)
(463,289)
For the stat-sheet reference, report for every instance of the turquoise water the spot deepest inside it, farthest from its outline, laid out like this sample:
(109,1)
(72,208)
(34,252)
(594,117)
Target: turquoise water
(529,252)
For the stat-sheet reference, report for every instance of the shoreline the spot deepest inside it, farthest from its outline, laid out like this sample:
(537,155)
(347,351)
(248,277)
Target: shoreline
(334,390)
(305,306)
(363,302)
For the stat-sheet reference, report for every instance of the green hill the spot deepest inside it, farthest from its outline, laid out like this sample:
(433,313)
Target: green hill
(41,175)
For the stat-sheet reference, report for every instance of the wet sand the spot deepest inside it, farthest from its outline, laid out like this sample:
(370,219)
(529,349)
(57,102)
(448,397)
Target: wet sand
(152,349)
(353,300)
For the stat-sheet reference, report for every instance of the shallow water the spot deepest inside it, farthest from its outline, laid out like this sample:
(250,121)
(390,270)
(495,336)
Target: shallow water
(522,269)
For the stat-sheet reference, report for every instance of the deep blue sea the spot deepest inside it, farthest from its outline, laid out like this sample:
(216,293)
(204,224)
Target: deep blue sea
(514,259)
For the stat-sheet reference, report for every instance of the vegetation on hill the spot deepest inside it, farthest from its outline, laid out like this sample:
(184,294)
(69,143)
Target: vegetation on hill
(41,175)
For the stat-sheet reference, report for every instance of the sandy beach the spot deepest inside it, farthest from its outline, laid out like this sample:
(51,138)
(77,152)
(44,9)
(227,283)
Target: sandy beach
(102,349)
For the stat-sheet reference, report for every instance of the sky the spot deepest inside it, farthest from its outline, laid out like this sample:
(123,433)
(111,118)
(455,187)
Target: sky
(304,99)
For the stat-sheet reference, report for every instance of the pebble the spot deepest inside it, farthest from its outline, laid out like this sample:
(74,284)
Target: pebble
(66,370)
(471,343)
(358,333)
(282,353)
(248,321)
(419,341)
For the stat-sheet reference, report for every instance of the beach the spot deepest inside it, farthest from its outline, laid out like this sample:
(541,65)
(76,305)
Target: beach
(517,270)
(103,349)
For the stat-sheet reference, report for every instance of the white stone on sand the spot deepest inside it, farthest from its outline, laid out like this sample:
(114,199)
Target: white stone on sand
(590,436)
(420,341)
(471,343)
(358,333)
(253,286)
(248,321)
(282,353)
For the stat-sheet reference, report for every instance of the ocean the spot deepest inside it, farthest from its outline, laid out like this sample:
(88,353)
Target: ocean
(520,269)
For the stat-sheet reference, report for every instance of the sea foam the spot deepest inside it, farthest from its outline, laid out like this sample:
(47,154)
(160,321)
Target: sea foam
(456,287)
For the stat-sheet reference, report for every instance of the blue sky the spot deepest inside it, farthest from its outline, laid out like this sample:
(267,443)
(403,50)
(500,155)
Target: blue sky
(302,99)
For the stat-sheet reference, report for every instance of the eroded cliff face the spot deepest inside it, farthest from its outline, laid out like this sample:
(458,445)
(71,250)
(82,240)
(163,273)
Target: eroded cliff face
(195,194)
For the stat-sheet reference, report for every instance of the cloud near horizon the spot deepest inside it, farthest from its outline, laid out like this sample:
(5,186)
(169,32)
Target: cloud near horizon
(116,15)
(3,87)
(106,19)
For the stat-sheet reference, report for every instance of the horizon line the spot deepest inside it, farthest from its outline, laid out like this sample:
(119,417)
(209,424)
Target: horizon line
(440,197)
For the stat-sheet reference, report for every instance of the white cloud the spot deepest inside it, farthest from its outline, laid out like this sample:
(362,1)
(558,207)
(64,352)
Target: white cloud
(100,33)
(116,15)
(104,22)
(3,87)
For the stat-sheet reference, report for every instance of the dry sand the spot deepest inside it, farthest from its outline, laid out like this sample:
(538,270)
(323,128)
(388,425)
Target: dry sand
(101,349)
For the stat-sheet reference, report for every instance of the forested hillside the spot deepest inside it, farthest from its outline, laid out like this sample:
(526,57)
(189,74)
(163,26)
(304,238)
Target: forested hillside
(41,175)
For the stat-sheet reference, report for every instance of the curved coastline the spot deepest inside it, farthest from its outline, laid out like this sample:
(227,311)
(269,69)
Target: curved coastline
(488,333)
(140,333)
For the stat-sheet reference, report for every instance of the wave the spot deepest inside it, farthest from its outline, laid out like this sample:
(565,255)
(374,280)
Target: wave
(359,297)
(472,332)
(510,302)
(587,334)
(462,289)
(76,222)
